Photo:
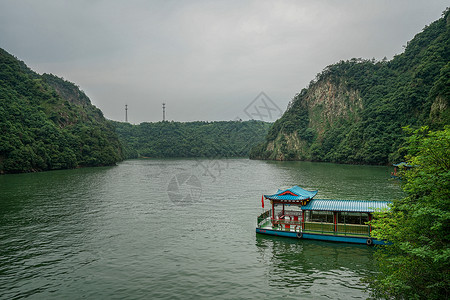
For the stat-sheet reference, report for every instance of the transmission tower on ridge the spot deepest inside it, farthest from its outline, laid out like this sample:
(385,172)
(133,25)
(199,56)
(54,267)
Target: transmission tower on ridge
(164,111)
(126,112)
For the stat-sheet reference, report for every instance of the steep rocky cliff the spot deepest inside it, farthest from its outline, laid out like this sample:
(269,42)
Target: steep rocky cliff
(354,111)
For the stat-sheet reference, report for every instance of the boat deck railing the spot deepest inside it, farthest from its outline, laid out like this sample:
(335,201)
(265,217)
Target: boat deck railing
(262,219)
(289,213)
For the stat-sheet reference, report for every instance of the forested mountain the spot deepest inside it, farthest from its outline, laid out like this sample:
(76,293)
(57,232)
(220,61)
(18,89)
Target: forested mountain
(47,123)
(191,139)
(354,111)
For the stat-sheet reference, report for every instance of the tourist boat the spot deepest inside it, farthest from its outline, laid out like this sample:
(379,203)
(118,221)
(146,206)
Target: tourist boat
(294,213)
(398,168)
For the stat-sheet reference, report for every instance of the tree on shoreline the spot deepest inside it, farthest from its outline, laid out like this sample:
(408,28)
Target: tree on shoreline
(416,265)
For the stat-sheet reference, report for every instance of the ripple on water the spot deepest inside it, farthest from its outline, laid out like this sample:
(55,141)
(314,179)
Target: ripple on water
(115,233)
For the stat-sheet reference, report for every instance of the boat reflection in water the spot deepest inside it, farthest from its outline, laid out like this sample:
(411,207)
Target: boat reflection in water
(315,269)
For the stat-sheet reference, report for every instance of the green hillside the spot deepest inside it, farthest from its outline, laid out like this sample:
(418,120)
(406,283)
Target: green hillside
(191,139)
(354,111)
(47,123)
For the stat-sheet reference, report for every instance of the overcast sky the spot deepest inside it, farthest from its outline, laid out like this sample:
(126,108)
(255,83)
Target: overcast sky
(207,60)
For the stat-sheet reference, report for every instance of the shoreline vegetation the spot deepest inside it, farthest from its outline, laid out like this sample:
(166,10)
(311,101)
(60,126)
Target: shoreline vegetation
(416,264)
(351,113)
(190,139)
(354,111)
(47,123)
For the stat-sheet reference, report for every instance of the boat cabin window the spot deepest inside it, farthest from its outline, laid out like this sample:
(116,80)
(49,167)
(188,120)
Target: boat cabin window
(319,216)
(353,218)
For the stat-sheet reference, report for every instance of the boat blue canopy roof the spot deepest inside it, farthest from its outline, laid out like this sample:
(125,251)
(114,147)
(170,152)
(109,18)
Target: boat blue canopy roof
(346,205)
(402,164)
(294,193)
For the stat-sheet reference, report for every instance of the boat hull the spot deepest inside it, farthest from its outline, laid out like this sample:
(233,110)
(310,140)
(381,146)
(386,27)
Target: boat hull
(321,237)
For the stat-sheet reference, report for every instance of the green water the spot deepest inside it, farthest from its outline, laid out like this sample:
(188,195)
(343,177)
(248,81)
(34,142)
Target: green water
(175,229)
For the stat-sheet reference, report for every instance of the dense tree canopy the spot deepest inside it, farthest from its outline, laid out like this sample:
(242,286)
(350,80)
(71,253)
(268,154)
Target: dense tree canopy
(411,89)
(191,139)
(417,263)
(47,123)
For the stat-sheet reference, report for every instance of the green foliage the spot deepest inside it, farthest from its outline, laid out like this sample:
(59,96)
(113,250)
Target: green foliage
(47,123)
(417,263)
(411,89)
(191,139)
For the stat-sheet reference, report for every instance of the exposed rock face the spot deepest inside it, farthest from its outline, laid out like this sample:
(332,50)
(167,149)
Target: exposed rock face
(323,106)
(354,111)
(327,103)
(67,90)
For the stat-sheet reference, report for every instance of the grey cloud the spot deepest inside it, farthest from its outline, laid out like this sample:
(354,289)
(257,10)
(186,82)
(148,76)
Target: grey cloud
(206,59)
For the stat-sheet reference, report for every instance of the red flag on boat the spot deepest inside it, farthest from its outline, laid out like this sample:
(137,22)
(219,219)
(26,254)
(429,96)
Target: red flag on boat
(262,201)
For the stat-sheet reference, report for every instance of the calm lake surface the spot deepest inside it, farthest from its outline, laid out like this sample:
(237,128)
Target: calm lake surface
(176,229)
